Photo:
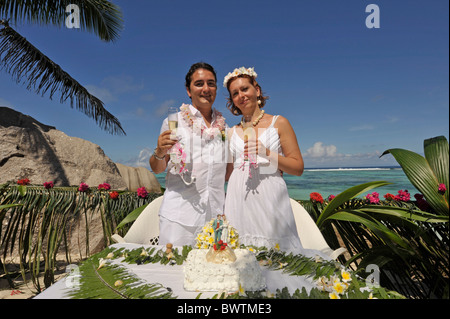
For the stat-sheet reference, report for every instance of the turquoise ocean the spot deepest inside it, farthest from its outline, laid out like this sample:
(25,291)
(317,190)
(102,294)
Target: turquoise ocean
(334,180)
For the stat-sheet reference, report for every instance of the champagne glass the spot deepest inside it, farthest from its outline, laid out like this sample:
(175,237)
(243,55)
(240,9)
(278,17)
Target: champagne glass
(247,125)
(173,120)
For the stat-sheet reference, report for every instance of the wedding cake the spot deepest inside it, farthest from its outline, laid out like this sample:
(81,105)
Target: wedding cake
(217,264)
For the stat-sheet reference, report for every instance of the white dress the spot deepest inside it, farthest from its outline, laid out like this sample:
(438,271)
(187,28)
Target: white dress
(259,206)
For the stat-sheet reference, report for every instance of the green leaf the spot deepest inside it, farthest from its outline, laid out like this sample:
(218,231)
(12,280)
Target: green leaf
(405,213)
(345,196)
(437,154)
(374,225)
(421,176)
(9,206)
(131,216)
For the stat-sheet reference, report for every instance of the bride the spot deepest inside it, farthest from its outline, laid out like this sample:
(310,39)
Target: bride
(257,201)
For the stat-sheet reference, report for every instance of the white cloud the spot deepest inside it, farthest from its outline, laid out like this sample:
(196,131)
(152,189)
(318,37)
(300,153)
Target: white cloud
(161,110)
(320,155)
(363,127)
(103,94)
(113,86)
(320,150)
(141,160)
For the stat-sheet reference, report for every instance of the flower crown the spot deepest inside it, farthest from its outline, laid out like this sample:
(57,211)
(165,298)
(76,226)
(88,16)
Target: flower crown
(242,70)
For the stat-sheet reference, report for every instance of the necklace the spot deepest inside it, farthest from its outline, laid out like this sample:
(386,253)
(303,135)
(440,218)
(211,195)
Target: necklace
(255,122)
(218,128)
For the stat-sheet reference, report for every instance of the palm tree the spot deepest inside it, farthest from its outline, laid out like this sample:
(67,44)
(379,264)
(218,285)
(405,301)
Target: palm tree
(29,66)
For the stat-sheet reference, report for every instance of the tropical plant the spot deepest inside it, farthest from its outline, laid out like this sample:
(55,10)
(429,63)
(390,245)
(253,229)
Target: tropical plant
(427,173)
(28,65)
(409,244)
(37,222)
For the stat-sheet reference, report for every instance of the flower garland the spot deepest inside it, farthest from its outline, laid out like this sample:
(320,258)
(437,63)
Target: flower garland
(177,154)
(198,127)
(241,71)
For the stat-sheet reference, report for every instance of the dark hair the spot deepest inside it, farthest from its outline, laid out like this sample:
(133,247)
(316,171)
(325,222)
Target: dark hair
(195,67)
(233,108)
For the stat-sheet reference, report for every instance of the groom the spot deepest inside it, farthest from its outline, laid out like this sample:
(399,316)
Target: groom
(186,208)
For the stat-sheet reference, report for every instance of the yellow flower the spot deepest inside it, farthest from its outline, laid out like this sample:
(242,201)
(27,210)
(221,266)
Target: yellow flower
(144,252)
(277,246)
(346,276)
(339,287)
(334,295)
(118,283)
(371,296)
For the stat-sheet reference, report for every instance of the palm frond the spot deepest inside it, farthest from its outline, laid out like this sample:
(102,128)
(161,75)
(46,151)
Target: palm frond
(102,282)
(27,64)
(98,16)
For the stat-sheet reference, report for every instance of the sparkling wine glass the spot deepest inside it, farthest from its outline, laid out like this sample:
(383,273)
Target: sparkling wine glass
(172,116)
(249,131)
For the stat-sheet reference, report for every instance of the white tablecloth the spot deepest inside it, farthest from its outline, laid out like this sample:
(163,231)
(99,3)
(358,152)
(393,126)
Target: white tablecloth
(172,276)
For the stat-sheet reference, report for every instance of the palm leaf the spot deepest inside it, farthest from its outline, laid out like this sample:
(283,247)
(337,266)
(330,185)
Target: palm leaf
(98,282)
(27,64)
(421,176)
(437,154)
(98,16)
(131,216)
(344,197)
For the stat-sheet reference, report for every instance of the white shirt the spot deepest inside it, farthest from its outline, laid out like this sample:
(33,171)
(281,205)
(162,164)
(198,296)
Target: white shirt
(194,204)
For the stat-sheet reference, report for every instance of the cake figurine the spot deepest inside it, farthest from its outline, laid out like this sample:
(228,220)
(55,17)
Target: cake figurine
(169,247)
(218,264)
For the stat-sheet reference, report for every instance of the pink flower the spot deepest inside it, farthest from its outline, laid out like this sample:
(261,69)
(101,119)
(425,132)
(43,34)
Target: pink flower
(104,186)
(403,196)
(142,192)
(48,185)
(373,198)
(442,189)
(83,187)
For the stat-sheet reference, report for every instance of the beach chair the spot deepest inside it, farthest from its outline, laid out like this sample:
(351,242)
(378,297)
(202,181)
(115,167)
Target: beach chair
(145,229)
(309,233)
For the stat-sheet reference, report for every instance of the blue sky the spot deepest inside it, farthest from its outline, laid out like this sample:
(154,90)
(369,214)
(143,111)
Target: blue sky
(350,92)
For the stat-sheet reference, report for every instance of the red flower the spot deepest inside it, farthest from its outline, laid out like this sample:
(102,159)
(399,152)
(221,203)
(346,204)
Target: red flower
(442,189)
(23,181)
(104,186)
(142,192)
(421,202)
(83,187)
(48,185)
(389,196)
(113,195)
(316,197)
